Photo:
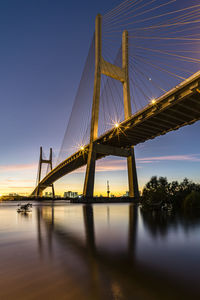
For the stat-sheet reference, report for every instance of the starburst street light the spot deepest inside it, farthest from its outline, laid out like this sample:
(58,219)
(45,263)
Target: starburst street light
(116,125)
(82,147)
(153,101)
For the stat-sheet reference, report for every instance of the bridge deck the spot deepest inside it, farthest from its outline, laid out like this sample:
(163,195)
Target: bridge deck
(176,108)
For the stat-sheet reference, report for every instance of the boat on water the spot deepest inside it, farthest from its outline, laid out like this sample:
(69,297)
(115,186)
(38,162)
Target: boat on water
(25,208)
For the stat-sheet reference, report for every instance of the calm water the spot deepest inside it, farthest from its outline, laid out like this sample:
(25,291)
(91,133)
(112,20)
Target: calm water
(67,251)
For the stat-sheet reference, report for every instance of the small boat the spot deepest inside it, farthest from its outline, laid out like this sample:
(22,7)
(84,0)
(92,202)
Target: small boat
(24,208)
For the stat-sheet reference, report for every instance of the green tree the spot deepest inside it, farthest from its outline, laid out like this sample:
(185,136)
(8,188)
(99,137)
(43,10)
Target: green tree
(181,195)
(156,191)
(192,201)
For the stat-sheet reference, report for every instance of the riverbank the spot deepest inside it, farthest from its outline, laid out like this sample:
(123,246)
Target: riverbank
(77,200)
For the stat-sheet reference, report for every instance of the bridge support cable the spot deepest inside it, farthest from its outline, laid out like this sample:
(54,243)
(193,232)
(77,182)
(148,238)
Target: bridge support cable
(163,44)
(43,160)
(77,131)
(111,99)
(120,74)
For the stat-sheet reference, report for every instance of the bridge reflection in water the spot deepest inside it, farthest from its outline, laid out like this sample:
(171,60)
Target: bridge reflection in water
(99,245)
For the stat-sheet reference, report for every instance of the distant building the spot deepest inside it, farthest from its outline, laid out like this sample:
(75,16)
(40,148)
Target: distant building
(48,194)
(126,194)
(70,194)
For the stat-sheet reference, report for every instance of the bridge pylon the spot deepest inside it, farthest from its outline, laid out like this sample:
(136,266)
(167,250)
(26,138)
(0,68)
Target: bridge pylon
(121,74)
(44,161)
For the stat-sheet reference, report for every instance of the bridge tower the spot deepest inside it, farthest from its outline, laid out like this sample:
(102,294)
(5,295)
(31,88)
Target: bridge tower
(121,74)
(44,161)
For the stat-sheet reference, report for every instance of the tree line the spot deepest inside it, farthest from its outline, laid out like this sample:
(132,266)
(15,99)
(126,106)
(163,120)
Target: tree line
(158,192)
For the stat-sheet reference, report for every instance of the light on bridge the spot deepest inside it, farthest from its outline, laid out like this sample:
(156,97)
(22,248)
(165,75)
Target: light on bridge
(153,101)
(82,148)
(116,125)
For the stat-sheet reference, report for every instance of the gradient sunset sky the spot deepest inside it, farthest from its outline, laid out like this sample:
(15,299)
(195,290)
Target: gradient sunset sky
(44,45)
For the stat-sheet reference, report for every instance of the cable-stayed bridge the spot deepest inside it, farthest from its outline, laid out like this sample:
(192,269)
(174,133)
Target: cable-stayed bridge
(150,63)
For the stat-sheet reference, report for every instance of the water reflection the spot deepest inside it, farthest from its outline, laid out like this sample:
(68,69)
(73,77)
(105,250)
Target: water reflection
(98,252)
(109,249)
(24,216)
(102,267)
(158,223)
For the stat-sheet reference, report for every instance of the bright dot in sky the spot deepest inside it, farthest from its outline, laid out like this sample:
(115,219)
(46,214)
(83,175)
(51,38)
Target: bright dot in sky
(116,125)
(149,78)
(153,101)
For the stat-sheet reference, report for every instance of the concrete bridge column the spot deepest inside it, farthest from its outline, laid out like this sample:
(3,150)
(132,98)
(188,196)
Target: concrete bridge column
(121,74)
(39,191)
(131,164)
(90,173)
(90,169)
(132,175)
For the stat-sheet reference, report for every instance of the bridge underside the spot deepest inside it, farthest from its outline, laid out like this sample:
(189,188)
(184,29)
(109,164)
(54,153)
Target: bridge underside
(177,108)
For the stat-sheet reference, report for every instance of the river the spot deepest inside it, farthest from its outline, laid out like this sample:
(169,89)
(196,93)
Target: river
(100,251)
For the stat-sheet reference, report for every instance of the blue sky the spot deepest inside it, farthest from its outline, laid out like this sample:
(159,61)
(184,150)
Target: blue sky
(44,45)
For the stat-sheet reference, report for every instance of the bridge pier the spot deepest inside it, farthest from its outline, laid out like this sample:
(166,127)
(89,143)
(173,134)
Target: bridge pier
(132,175)
(90,173)
(115,151)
